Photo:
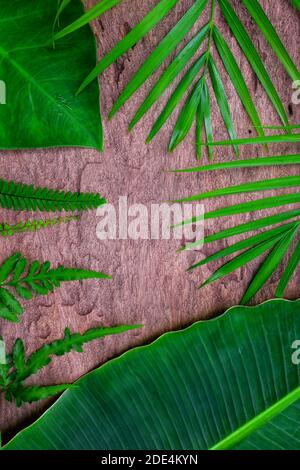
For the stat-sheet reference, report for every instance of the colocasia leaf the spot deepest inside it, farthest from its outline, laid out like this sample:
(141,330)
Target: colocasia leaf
(42,109)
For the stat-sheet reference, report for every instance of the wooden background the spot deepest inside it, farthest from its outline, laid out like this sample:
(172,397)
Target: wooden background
(150,285)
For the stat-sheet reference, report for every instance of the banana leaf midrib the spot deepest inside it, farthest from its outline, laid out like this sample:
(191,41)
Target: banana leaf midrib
(257,422)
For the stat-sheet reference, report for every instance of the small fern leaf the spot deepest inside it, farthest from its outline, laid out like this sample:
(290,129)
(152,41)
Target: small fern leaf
(7,230)
(10,308)
(70,342)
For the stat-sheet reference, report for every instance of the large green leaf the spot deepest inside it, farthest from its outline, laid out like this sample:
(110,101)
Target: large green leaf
(41,108)
(220,384)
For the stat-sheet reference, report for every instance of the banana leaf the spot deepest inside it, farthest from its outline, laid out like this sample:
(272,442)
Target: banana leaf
(228,383)
(40,79)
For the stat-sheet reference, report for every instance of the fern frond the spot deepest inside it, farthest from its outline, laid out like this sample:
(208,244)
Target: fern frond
(20,368)
(7,230)
(37,278)
(23,197)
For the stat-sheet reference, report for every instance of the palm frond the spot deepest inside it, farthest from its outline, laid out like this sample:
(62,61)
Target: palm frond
(198,70)
(162,51)
(263,185)
(289,271)
(269,139)
(268,30)
(278,239)
(246,163)
(18,368)
(62,5)
(90,15)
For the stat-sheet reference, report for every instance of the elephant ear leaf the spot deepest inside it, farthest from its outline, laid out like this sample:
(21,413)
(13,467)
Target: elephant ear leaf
(48,78)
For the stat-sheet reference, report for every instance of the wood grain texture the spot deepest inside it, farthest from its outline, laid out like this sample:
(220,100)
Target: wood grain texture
(149,284)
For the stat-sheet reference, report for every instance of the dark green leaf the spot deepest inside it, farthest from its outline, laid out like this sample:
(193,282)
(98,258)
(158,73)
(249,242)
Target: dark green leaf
(35,393)
(41,108)
(9,305)
(8,266)
(245,227)
(241,245)
(269,139)
(250,206)
(18,356)
(42,357)
(23,197)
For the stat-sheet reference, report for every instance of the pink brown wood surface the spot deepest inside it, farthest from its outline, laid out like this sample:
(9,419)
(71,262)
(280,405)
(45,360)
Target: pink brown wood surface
(150,285)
